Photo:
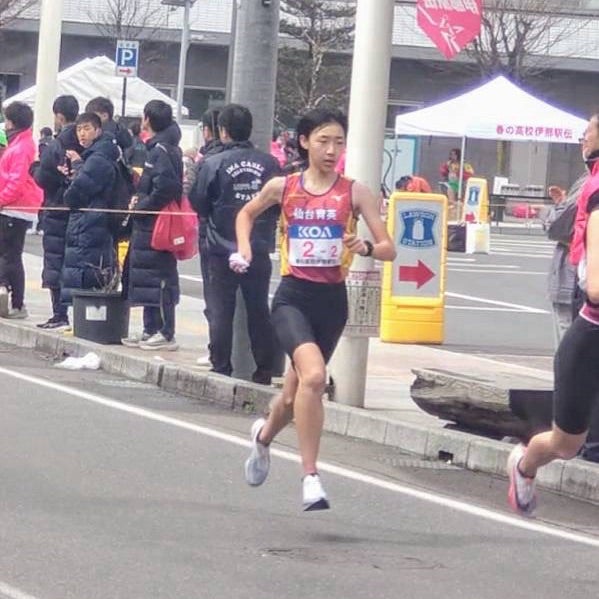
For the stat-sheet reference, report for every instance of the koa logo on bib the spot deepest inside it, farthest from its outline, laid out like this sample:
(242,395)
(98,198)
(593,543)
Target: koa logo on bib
(316,232)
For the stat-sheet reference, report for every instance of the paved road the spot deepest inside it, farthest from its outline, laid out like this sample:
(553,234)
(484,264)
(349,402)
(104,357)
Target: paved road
(144,498)
(497,303)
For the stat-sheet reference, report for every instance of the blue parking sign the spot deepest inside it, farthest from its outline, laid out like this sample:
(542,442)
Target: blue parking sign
(127,58)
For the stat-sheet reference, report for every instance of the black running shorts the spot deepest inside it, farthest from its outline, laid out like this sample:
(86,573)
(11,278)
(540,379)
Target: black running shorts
(307,312)
(576,373)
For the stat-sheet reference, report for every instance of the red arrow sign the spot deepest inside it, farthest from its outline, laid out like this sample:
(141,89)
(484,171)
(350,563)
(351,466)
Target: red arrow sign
(419,274)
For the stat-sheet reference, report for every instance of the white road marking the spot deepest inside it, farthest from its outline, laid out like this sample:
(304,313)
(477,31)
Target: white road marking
(526,242)
(498,252)
(486,309)
(12,593)
(193,278)
(440,500)
(497,272)
(483,300)
(483,265)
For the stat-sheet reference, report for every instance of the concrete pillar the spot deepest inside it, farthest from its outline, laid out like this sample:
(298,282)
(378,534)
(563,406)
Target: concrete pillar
(253,81)
(367,116)
(48,60)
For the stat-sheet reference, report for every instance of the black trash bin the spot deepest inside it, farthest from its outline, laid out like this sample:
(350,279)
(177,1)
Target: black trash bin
(102,317)
(497,208)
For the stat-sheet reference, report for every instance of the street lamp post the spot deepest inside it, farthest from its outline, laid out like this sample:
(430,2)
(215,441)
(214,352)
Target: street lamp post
(186,4)
(367,113)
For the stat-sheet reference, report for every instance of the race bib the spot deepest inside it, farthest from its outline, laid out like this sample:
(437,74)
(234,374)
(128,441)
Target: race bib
(315,245)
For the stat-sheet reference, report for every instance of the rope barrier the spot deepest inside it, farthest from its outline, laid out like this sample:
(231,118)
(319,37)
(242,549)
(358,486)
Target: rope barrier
(106,210)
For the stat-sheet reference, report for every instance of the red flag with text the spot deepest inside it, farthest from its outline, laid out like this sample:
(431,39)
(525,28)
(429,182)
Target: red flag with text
(449,24)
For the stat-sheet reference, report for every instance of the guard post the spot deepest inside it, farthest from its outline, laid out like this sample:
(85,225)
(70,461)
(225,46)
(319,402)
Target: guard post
(412,303)
(476,216)
(476,201)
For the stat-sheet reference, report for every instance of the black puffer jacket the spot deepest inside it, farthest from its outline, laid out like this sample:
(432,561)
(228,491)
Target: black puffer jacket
(226,182)
(89,254)
(153,274)
(121,134)
(212,148)
(54,184)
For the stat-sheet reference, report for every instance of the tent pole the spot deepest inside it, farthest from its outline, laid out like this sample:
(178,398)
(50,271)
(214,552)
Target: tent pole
(463,152)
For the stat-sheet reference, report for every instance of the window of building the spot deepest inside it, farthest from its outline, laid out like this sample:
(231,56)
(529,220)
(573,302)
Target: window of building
(199,100)
(396,108)
(9,85)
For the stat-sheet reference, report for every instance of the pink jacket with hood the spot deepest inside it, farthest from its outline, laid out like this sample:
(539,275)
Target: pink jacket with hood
(17,187)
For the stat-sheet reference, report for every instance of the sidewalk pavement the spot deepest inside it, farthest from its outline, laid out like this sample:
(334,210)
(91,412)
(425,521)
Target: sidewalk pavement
(389,415)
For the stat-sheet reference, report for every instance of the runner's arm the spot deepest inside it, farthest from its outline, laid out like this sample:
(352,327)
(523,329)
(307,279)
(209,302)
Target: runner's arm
(367,205)
(270,195)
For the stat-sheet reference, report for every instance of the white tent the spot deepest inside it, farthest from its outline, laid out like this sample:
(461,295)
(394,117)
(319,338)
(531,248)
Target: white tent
(499,110)
(94,77)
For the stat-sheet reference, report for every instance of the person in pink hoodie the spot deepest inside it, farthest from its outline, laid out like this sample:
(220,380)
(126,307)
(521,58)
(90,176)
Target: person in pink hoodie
(340,168)
(20,200)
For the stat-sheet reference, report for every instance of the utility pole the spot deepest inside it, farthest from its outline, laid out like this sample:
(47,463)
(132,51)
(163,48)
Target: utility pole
(367,116)
(231,54)
(253,80)
(253,83)
(186,4)
(48,60)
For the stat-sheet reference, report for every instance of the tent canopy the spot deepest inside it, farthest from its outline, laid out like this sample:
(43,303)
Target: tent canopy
(498,109)
(94,77)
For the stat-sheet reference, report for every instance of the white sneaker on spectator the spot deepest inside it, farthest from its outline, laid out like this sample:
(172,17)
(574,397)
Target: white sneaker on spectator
(159,342)
(135,340)
(314,497)
(204,360)
(3,302)
(17,313)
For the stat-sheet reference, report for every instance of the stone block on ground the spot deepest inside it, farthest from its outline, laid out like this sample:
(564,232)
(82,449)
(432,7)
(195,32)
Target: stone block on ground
(499,404)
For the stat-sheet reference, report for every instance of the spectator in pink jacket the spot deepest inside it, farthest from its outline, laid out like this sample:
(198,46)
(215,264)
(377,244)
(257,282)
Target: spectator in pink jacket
(20,199)
(277,149)
(340,168)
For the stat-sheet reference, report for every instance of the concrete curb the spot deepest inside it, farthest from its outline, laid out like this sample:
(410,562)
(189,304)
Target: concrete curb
(575,478)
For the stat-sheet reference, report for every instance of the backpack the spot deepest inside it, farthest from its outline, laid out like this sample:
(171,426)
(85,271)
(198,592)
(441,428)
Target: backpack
(562,228)
(123,189)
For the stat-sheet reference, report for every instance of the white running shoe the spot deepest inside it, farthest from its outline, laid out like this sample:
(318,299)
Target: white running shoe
(258,464)
(314,497)
(17,313)
(135,340)
(522,496)
(204,360)
(158,342)
(3,302)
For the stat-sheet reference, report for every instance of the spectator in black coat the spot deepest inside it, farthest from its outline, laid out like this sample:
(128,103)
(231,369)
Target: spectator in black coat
(136,154)
(152,277)
(212,145)
(46,136)
(54,222)
(104,108)
(89,254)
(226,182)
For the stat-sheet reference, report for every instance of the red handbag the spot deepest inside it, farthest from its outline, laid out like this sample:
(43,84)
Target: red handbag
(176,230)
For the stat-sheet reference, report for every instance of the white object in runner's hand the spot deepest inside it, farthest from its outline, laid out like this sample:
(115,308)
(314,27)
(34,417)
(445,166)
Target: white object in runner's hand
(238,263)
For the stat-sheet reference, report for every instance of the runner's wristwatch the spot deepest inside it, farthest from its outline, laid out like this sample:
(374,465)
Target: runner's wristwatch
(369,248)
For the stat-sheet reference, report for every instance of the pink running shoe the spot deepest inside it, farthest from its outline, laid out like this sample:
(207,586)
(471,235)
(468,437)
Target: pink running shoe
(522,496)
